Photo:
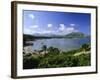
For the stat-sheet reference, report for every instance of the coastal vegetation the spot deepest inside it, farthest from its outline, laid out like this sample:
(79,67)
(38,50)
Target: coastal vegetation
(52,57)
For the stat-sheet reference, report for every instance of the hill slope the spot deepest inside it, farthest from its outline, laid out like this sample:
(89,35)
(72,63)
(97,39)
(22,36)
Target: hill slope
(75,35)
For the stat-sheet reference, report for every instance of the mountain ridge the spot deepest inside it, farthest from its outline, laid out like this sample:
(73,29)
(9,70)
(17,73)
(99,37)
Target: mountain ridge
(70,35)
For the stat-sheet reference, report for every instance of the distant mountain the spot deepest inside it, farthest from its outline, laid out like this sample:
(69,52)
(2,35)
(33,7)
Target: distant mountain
(70,35)
(76,35)
(44,35)
(28,37)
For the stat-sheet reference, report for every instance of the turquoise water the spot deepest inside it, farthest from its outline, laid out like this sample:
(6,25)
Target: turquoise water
(64,44)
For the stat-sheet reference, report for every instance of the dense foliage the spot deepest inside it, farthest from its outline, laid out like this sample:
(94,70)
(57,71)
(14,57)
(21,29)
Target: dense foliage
(56,58)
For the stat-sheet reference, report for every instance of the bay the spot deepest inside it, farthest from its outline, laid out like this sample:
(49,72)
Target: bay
(63,44)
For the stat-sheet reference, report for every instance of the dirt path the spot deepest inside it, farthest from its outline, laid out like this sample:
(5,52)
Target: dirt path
(86,52)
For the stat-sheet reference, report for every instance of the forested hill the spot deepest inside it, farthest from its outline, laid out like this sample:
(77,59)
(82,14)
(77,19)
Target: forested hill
(76,35)
(28,37)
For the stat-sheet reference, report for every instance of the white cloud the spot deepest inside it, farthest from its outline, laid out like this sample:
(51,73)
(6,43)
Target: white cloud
(31,16)
(62,27)
(27,31)
(72,24)
(45,32)
(49,25)
(34,26)
(31,29)
(61,30)
(65,30)
(70,29)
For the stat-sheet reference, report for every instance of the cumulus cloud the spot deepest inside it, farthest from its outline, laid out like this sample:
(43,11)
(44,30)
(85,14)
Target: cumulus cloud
(60,30)
(70,29)
(31,16)
(72,24)
(65,30)
(62,27)
(49,25)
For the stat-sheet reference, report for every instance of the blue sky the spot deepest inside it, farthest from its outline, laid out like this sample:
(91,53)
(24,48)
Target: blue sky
(47,22)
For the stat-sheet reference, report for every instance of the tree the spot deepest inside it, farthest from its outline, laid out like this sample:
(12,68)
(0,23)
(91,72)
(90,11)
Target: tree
(50,49)
(85,47)
(56,51)
(44,48)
